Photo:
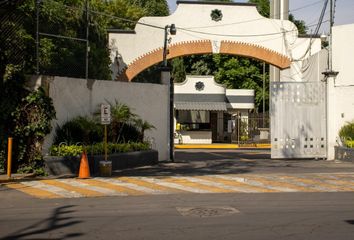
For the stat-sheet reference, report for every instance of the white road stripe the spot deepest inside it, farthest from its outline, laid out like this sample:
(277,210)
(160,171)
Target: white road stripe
(333,182)
(54,189)
(219,185)
(251,182)
(293,180)
(130,185)
(106,191)
(173,185)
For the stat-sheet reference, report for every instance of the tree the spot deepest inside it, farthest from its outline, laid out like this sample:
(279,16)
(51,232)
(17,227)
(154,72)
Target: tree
(152,7)
(178,73)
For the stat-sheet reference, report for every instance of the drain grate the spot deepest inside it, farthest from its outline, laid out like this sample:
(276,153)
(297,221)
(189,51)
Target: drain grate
(206,211)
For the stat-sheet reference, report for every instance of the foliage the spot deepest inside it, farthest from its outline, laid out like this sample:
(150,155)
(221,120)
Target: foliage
(346,133)
(121,115)
(98,148)
(125,126)
(263,7)
(32,119)
(79,130)
(152,7)
(11,93)
(143,126)
(178,73)
(66,57)
(239,72)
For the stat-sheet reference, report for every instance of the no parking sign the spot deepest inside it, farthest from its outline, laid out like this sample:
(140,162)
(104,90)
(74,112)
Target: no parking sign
(105,114)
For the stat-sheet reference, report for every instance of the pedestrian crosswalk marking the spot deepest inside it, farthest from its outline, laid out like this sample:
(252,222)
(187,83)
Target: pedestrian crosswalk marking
(145,182)
(68,186)
(242,187)
(324,187)
(33,191)
(300,187)
(252,183)
(128,186)
(207,182)
(192,185)
(56,190)
(132,186)
(92,187)
(163,182)
(107,185)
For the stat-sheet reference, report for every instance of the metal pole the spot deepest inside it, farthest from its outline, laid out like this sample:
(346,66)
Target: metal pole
(37,37)
(105,143)
(172,157)
(9,157)
(165,47)
(87,38)
(171,90)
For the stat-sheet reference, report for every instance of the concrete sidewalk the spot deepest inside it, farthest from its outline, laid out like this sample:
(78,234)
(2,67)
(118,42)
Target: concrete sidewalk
(16,177)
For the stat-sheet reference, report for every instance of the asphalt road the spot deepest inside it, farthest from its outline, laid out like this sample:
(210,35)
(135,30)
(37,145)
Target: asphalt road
(209,216)
(190,216)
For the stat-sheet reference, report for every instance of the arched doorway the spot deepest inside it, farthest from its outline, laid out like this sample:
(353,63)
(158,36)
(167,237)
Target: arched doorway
(236,29)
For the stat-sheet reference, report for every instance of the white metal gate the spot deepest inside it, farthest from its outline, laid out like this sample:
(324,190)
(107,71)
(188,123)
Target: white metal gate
(298,119)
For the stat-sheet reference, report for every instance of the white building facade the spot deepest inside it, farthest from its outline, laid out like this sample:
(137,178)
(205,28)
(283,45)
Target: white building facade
(204,110)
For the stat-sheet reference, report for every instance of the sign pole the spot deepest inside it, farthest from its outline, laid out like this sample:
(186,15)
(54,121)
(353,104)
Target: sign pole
(105,142)
(105,166)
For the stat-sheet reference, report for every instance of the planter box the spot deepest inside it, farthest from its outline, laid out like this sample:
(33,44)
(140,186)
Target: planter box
(344,154)
(70,165)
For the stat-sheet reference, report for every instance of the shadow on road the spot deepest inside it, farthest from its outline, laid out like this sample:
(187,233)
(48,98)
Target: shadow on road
(191,163)
(56,221)
(208,162)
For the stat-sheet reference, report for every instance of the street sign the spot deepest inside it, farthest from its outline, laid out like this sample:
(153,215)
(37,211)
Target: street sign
(105,114)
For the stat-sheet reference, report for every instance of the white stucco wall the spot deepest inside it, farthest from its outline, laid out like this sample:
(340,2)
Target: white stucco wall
(240,92)
(240,23)
(72,98)
(188,86)
(341,89)
(302,53)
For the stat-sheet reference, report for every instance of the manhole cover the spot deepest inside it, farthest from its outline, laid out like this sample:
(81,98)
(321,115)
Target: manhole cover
(206,211)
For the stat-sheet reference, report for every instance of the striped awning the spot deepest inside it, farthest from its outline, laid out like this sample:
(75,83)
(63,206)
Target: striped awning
(206,106)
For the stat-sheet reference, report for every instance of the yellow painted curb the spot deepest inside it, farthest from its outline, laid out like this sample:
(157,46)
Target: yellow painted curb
(220,146)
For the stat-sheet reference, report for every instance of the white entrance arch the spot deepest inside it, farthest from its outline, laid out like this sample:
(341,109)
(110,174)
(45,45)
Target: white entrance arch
(226,28)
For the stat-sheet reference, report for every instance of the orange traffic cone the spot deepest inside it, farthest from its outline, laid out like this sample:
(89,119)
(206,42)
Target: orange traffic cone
(84,171)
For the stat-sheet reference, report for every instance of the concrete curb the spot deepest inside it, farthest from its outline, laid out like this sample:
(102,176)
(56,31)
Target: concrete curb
(30,177)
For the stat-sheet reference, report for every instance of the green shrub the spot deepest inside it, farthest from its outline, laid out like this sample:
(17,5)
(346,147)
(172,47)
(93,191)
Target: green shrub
(98,149)
(346,133)
(349,143)
(64,150)
(32,121)
(79,130)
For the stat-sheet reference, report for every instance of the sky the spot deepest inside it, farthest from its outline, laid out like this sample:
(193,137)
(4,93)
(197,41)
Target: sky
(344,11)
